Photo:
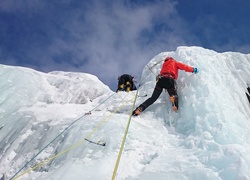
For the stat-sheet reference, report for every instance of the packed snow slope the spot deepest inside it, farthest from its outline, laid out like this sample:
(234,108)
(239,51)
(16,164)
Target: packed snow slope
(65,125)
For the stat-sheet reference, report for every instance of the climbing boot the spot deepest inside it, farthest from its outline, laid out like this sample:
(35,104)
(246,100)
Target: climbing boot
(137,111)
(174,100)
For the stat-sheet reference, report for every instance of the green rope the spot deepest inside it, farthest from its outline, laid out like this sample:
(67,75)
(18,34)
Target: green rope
(150,68)
(124,139)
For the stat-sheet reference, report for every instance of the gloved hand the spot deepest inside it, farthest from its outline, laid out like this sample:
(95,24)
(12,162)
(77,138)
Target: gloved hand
(195,71)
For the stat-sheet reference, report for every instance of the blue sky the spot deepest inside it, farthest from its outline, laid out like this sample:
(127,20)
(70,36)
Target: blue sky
(108,37)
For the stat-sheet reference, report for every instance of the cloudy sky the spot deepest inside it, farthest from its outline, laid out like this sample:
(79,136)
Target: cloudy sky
(110,37)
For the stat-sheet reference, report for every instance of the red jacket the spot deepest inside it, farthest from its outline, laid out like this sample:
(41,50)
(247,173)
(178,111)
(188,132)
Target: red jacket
(171,67)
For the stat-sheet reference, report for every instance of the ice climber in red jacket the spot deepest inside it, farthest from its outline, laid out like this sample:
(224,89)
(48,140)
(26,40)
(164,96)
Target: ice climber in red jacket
(167,80)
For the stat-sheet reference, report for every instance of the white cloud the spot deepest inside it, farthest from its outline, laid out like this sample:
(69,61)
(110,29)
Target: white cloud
(104,38)
(113,43)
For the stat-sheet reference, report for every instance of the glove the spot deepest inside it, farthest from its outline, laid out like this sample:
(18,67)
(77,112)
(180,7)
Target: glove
(195,71)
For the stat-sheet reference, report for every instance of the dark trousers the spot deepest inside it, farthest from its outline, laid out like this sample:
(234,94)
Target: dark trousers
(163,83)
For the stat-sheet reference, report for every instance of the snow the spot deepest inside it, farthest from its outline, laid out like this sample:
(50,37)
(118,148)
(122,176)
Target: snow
(45,120)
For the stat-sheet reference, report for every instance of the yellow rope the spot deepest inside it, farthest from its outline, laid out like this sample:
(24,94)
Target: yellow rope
(124,139)
(74,145)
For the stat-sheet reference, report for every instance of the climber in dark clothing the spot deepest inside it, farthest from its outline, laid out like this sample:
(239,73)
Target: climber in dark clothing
(126,83)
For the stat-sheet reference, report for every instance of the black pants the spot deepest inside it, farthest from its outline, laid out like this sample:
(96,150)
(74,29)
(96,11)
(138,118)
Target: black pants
(167,83)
